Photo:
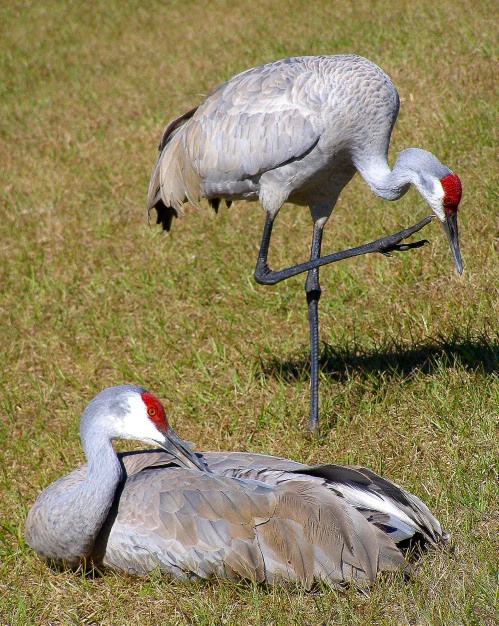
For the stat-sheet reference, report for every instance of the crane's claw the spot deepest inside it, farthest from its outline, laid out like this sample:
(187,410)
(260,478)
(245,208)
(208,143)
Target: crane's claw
(403,247)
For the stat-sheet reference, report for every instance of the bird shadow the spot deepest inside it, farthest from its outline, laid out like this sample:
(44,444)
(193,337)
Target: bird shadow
(478,352)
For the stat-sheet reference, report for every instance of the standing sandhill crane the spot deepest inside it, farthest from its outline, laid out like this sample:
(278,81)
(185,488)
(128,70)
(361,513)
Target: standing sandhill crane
(234,515)
(297,130)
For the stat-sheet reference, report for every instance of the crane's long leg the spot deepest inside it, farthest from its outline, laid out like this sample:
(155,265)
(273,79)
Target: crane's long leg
(313,291)
(265,276)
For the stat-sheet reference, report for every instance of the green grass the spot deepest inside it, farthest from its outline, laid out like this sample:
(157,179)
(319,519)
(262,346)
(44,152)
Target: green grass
(91,296)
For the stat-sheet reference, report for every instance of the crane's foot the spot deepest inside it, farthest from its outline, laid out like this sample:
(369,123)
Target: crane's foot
(403,247)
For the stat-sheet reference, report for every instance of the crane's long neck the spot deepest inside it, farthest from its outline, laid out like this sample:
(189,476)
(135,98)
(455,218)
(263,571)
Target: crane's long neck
(68,515)
(386,183)
(413,166)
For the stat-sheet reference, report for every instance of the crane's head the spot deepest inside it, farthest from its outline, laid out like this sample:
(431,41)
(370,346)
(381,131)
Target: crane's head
(131,412)
(448,195)
(441,188)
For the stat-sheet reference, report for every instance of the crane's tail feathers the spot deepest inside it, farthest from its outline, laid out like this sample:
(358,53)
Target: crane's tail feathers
(173,126)
(164,215)
(315,535)
(175,179)
(399,513)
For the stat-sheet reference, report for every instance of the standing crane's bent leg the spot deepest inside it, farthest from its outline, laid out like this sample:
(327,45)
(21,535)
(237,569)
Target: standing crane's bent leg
(313,291)
(265,276)
(320,215)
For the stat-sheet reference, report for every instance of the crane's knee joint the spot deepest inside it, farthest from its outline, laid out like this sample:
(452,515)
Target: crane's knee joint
(313,295)
(263,274)
(312,286)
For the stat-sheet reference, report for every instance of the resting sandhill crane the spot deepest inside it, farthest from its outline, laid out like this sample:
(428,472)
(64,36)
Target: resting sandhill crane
(297,130)
(234,515)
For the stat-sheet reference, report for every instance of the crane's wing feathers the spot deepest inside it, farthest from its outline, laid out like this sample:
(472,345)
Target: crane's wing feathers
(250,144)
(399,512)
(225,463)
(187,522)
(269,117)
(174,125)
(256,122)
(252,124)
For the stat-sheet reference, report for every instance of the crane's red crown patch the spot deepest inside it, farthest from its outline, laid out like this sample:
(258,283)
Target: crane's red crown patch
(155,411)
(453,191)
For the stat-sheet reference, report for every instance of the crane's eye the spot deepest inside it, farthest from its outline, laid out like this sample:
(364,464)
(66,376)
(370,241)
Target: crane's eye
(155,411)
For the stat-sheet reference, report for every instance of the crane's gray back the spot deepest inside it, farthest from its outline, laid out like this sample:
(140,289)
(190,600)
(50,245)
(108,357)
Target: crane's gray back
(271,114)
(293,129)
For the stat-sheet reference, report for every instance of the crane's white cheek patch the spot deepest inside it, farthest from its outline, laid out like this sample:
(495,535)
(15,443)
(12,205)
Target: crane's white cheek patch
(135,423)
(436,200)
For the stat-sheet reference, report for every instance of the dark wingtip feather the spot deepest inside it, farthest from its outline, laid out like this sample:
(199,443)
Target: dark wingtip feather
(214,203)
(164,214)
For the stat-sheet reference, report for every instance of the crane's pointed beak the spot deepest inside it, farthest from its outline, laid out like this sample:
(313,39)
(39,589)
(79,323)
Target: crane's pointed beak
(181,451)
(451,230)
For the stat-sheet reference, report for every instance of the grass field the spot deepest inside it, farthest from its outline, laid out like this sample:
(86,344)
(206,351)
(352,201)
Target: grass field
(91,296)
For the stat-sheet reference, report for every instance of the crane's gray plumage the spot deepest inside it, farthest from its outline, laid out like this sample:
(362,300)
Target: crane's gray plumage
(234,515)
(269,131)
(298,130)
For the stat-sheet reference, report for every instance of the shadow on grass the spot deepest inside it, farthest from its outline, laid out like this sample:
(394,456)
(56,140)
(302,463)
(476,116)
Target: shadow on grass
(473,352)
